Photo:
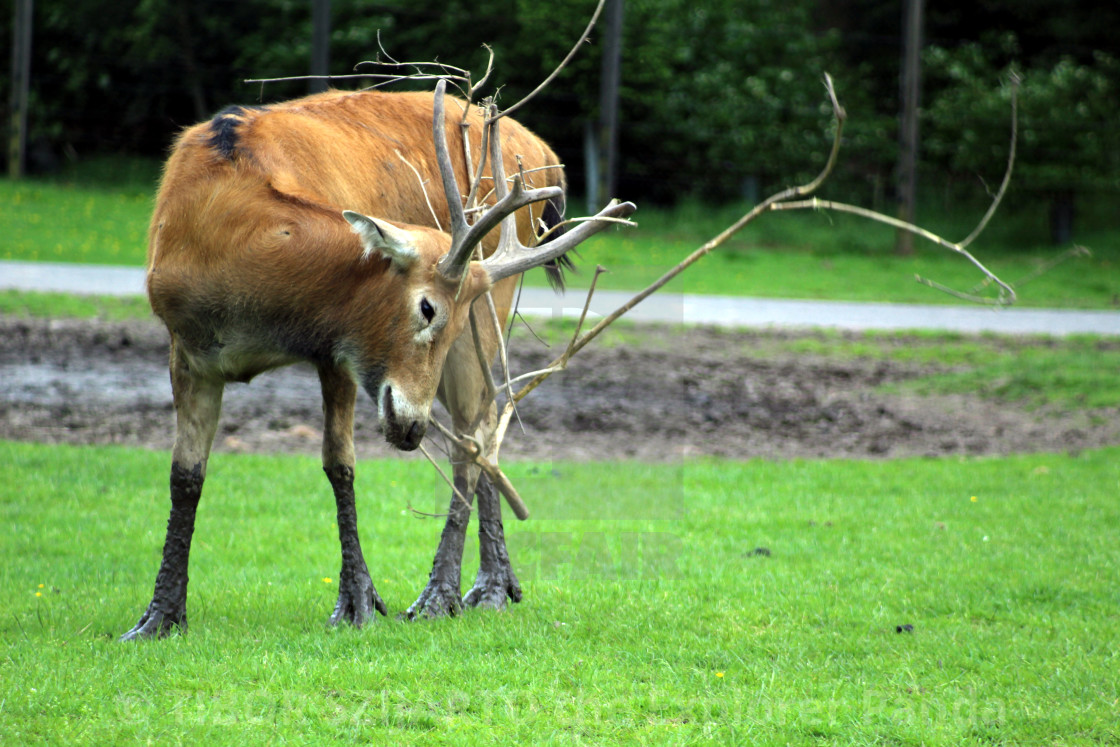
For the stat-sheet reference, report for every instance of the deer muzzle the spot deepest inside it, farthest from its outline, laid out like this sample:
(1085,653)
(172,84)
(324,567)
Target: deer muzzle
(401,421)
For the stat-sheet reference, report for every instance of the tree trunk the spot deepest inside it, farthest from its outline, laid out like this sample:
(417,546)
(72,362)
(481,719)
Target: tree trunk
(1061,216)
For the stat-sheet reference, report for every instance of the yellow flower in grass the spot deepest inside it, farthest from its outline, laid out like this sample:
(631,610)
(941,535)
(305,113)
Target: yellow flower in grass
(326,580)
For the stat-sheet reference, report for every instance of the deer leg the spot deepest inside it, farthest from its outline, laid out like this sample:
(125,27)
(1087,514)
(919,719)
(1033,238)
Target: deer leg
(357,598)
(464,392)
(495,583)
(198,402)
(442,595)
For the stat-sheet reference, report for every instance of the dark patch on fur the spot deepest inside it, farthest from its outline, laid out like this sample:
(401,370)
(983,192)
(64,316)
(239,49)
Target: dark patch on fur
(371,382)
(223,129)
(554,270)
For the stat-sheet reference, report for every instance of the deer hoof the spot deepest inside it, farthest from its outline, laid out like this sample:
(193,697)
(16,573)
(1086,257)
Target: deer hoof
(493,590)
(357,601)
(437,600)
(156,624)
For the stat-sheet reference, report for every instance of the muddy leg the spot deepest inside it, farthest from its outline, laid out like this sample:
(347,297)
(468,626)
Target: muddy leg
(495,583)
(442,595)
(357,598)
(198,403)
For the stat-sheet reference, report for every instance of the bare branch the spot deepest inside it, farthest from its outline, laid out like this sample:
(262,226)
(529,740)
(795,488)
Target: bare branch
(473,201)
(442,474)
(485,76)
(501,347)
(1074,251)
(561,66)
(839,116)
(423,188)
(599,270)
(778,201)
(531,374)
(491,388)
(815,204)
(384,77)
(474,450)
(1015,80)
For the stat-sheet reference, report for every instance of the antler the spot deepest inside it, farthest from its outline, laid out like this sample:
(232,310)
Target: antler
(512,257)
(465,237)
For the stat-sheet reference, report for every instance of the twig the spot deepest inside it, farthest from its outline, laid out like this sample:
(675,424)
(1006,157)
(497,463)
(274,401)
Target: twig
(599,270)
(488,377)
(349,76)
(531,374)
(474,449)
(1015,80)
(1074,251)
(442,474)
(815,204)
(561,66)
(956,293)
(502,351)
(423,188)
(424,514)
(472,201)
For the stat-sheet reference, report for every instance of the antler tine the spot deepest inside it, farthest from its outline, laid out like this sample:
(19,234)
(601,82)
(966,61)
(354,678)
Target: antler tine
(504,264)
(465,237)
(507,260)
(508,239)
(512,257)
(443,159)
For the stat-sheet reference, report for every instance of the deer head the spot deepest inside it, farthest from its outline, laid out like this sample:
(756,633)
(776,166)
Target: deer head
(439,280)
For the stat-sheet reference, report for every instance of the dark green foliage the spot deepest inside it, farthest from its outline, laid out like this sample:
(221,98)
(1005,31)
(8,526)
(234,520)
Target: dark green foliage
(720,98)
(1068,133)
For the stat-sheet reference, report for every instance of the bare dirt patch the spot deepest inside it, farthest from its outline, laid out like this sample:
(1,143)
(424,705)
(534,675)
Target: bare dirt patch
(662,394)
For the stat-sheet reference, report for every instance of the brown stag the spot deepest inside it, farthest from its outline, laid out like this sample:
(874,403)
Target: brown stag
(262,253)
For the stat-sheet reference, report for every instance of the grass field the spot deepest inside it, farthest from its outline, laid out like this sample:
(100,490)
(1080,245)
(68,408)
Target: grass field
(698,602)
(649,617)
(98,213)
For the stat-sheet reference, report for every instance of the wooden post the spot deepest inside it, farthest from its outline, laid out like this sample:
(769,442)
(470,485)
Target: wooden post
(21,81)
(320,43)
(911,89)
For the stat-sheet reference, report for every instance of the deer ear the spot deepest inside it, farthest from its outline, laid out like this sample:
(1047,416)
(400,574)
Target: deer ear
(379,237)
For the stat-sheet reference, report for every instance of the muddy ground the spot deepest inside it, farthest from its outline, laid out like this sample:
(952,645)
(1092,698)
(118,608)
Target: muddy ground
(654,394)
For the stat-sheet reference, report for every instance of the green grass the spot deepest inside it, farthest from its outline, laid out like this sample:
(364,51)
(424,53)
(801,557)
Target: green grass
(648,617)
(1078,371)
(98,211)
(45,305)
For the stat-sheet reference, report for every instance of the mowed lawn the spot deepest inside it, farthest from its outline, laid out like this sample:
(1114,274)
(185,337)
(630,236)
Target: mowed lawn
(698,602)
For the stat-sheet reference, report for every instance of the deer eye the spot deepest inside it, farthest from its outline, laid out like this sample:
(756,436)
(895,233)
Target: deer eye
(427,310)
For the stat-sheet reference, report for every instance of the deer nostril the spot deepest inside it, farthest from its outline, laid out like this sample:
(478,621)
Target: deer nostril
(416,433)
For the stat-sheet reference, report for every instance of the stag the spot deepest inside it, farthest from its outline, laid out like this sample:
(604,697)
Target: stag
(302,232)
